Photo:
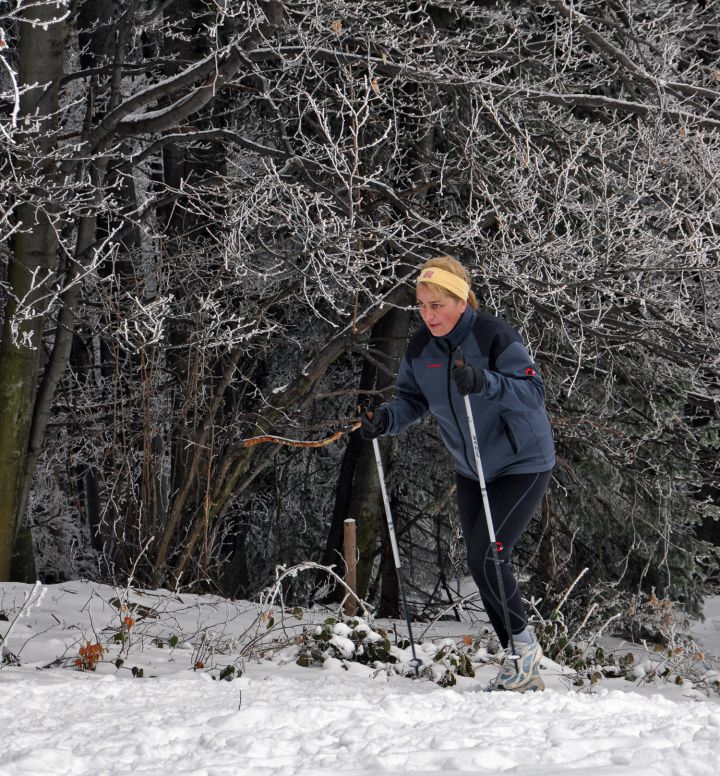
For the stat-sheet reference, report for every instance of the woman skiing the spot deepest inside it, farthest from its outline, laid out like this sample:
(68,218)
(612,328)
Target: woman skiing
(463,352)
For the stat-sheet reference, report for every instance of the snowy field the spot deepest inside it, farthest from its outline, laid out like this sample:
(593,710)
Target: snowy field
(162,701)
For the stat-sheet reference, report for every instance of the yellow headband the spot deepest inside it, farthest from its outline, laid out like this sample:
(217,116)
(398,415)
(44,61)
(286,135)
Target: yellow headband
(441,277)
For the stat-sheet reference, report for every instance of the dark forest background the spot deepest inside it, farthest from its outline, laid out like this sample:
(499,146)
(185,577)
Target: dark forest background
(212,215)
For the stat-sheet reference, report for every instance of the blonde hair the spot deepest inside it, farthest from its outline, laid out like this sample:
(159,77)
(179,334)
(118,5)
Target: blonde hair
(449,264)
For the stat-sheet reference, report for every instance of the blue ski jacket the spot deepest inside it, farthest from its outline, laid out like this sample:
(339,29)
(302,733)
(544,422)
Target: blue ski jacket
(512,427)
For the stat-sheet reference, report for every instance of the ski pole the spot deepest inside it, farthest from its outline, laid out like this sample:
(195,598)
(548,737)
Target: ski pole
(415,662)
(459,360)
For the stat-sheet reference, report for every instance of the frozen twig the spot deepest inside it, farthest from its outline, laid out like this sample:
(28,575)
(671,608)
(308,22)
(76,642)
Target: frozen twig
(33,598)
(569,590)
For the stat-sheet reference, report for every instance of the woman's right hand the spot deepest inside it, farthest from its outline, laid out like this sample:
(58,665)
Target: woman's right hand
(373,423)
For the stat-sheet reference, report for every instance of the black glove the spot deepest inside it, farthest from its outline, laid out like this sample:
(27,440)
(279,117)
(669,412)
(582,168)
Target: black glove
(371,428)
(469,379)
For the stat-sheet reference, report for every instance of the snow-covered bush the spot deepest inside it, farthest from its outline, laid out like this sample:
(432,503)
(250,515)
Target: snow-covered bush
(654,646)
(356,640)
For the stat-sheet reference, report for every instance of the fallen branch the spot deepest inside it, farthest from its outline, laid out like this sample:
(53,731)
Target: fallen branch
(278,440)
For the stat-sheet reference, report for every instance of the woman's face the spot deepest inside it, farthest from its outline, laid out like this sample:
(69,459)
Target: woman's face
(440,313)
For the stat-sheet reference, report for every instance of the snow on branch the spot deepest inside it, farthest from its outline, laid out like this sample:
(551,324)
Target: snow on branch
(214,68)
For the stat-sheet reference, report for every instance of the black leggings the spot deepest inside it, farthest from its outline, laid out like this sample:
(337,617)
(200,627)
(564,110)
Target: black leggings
(514,499)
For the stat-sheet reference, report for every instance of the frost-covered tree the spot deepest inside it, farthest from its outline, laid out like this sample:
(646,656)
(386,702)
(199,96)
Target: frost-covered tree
(240,194)
(29,137)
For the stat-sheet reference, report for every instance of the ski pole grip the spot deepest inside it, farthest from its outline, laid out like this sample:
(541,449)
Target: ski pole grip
(457,356)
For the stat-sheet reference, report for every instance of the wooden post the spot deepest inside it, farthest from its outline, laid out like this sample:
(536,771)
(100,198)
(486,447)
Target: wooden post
(350,552)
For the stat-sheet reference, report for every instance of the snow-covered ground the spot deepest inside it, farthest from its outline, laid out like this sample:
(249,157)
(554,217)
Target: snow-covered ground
(166,710)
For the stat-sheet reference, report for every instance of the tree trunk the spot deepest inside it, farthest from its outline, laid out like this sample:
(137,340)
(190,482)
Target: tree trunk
(358,491)
(42,41)
(94,32)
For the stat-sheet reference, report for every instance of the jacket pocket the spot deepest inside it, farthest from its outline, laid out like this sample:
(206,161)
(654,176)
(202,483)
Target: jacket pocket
(509,433)
(519,428)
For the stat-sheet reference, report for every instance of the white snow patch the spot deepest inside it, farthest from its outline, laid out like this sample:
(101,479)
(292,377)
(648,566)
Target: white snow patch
(279,719)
